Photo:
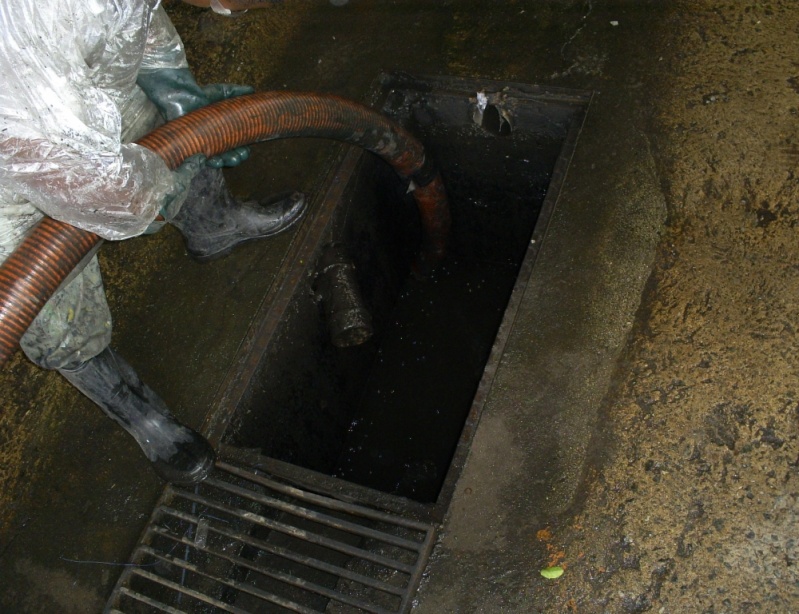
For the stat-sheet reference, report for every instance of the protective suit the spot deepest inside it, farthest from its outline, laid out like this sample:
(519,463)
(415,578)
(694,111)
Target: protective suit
(70,106)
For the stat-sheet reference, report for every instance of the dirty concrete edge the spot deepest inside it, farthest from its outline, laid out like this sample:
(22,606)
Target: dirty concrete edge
(590,293)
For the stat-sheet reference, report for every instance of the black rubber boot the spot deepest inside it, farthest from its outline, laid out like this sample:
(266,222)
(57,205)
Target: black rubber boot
(178,454)
(212,222)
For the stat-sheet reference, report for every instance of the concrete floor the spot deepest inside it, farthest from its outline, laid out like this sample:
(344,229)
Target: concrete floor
(642,427)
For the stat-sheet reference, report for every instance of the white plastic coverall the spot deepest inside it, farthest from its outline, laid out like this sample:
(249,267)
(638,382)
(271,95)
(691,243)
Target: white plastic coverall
(69,107)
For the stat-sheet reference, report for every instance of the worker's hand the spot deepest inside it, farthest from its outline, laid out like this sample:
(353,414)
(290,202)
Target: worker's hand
(183,176)
(175,92)
(173,200)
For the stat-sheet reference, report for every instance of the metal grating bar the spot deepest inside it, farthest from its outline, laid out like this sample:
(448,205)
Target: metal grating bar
(282,577)
(242,542)
(303,512)
(241,586)
(287,554)
(187,591)
(333,504)
(299,533)
(149,601)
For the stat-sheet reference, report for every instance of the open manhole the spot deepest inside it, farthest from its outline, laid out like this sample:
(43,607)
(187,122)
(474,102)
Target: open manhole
(377,422)
(394,415)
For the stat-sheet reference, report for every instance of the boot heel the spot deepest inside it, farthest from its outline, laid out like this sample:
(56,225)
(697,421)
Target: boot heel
(178,454)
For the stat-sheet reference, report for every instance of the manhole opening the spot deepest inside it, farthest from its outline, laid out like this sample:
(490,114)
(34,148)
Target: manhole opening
(394,415)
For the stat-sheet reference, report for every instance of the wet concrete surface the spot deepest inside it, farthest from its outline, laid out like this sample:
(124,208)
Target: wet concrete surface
(642,427)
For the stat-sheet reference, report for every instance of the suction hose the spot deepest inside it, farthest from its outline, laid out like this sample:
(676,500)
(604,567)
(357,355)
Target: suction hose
(36,269)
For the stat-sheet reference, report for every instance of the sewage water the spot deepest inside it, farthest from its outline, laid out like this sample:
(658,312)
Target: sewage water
(389,414)
(440,332)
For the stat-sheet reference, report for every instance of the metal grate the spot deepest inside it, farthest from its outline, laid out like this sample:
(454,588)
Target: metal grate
(245,542)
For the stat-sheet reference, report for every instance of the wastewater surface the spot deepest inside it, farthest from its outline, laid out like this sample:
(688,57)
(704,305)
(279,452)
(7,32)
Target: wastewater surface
(437,338)
(388,414)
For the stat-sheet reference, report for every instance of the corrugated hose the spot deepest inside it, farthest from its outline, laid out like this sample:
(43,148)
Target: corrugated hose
(52,250)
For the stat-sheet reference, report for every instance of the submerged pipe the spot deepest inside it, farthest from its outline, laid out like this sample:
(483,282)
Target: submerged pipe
(349,322)
(52,250)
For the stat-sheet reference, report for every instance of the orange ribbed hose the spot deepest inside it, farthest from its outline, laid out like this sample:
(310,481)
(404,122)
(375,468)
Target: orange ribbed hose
(52,250)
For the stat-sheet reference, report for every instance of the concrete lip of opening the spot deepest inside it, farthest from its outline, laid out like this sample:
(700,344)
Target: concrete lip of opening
(340,454)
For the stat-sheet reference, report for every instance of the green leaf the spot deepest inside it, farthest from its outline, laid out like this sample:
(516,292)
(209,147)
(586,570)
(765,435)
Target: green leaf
(550,573)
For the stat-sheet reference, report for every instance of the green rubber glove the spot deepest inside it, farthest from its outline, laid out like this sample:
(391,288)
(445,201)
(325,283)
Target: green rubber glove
(174,92)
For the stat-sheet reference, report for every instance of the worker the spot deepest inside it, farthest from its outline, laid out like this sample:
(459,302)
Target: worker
(81,81)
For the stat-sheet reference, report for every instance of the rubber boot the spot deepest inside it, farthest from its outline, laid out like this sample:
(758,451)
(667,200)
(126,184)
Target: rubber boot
(178,454)
(213,223)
